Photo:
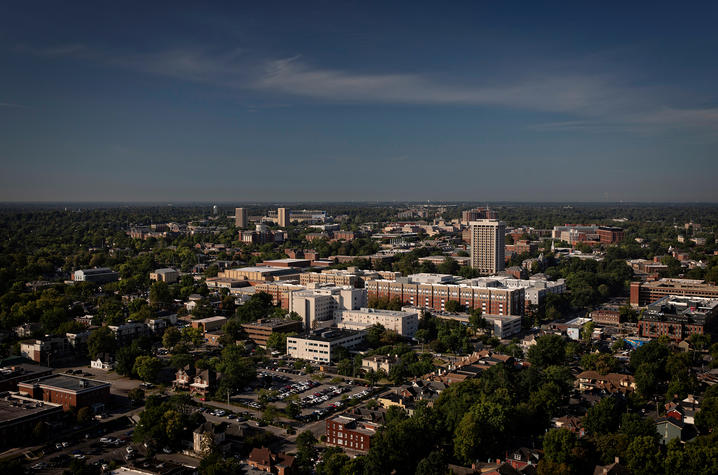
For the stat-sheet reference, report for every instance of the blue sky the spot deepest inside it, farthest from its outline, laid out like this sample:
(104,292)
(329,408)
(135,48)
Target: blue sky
(291,101)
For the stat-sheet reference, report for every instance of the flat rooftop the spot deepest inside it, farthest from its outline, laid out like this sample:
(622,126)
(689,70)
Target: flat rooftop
(13,371)
(17,407)
(67,382)
(331,334)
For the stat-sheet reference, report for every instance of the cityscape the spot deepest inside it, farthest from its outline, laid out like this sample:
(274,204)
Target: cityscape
(358,238)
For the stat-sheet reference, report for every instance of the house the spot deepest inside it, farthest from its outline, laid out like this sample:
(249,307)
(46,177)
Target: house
(184,377)
(263,459)
(611,383)
(204,383)
(208,436)
(614,468)
(103,362)
(668,429)
(571,423)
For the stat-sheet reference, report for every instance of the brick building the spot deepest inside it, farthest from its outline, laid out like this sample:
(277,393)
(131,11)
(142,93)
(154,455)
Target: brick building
(610,235)
(69,391)
(260,331)
(678,317)
(19,415)
(644,293)
(605,316)
(350,433)
(10,376)
(494,300)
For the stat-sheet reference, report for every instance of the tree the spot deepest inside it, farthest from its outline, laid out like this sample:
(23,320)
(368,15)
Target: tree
(479,433)
(306,451)
(453,306)
(558,445)
(84,415)
(587,331)
(101,341)
(237,370)
(147,367)
(642,456)
(160,294)
(604,417)
(136,396)
(548,350)
(432,464)
(707,418)
(171,337)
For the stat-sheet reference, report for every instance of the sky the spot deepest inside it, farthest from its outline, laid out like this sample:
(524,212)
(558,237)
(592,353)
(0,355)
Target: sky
(358,101)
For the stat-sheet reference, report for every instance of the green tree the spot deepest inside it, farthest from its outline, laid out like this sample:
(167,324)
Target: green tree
(147,367)
(479,433)
(642,456)
(171,337)
(604,417)
(160,295)
(548,350)
(558,446)
(101,341)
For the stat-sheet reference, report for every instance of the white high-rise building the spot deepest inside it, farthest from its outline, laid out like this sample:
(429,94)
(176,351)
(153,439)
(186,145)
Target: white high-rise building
(487,245)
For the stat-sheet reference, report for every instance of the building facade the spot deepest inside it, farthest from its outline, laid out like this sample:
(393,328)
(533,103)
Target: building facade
(404,323)
(644,293)
(319,347)
(488,245)
(69,391)
(240,218)
(497,300)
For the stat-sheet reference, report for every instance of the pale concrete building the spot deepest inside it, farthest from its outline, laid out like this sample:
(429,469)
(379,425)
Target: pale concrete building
(320,346)
(405,323)
(167,275)
(488,245)
(282,217)
(319,303)
(240,218)
(504,326)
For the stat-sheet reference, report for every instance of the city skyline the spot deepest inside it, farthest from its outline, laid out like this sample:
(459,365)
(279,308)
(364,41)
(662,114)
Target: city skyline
(358,102)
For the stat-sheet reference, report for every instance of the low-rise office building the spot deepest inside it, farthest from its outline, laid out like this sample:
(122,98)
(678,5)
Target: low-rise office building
(10,376)
(350,433)
(69,391)
(99,275)
(319,303)
(209,324)
(167,275)
(320,346)
(678,317)
(504,326)
(20,415)
(644,293)
(405,323)
(261,274)
(260,331)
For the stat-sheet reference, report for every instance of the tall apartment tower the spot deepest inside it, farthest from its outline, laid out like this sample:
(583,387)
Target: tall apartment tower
(282,217)
(487,245)
(240,217)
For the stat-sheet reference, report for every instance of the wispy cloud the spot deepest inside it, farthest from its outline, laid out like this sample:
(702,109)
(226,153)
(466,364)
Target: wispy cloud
(11,105)
(589,101)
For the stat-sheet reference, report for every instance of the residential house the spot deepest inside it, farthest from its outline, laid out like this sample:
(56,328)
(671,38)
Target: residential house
(264,459)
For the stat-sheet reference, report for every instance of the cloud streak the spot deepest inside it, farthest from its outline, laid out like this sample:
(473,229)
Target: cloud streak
(590,101)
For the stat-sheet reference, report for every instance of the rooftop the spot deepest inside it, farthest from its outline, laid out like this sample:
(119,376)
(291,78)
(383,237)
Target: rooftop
(67,382)
(14,407)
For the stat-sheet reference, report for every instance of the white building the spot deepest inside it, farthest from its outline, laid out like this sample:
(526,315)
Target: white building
(319,303)
(405,323)
(167,275)
(504,326)
(320,346)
